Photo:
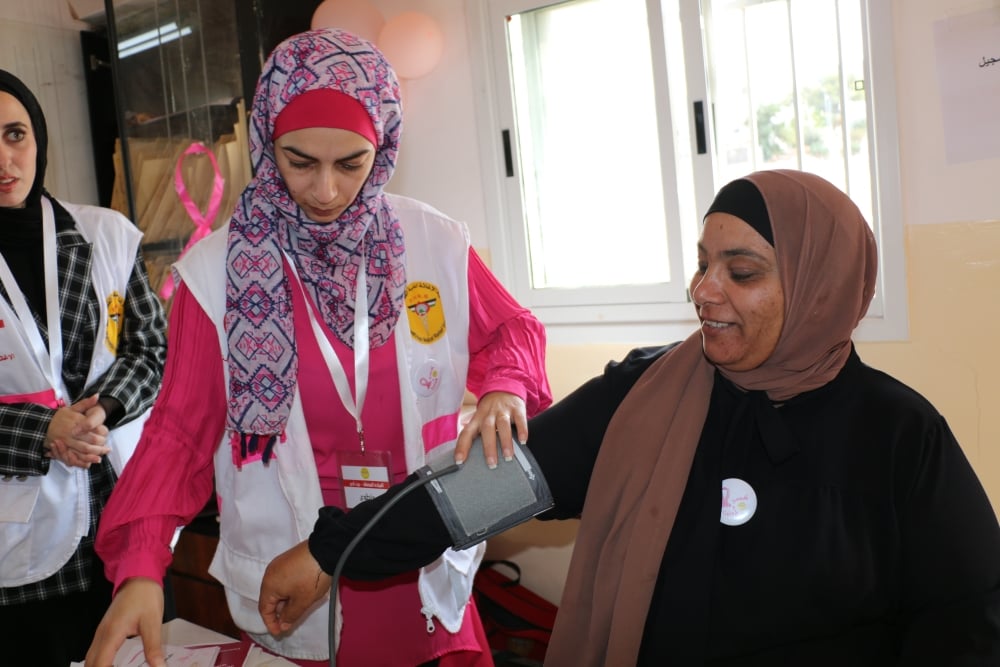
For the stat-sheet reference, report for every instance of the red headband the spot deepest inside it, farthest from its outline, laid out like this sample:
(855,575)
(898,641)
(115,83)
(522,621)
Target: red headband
(325,107)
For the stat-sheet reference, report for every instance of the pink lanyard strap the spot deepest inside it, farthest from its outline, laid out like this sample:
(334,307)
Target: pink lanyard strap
(202,222)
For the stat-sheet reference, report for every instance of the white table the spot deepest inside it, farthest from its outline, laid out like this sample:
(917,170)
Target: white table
(179,632)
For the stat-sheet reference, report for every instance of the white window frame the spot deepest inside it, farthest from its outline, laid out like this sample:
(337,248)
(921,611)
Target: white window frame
(612,318)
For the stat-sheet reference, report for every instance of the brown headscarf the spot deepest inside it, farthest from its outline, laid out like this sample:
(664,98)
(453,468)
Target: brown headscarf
(827,262)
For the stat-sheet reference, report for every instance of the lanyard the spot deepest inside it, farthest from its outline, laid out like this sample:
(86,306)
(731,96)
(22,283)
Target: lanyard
(353,404)
(54,353)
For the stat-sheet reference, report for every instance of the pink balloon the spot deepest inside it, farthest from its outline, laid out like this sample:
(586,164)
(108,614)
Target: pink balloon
(358,16)
(413,43)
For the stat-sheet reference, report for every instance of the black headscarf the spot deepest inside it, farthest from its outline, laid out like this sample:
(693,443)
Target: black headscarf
(742,199)
(20,228)
(13,85)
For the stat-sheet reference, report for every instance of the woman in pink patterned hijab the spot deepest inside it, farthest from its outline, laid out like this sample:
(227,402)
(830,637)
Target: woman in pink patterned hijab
(314,361)
(327,79)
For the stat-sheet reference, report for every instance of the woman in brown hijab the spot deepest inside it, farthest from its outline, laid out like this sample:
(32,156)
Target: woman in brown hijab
(851,530)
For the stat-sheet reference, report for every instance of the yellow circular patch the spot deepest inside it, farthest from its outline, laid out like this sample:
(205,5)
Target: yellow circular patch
(425,312)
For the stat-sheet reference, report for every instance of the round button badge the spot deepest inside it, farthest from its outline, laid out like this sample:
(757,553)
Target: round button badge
(427,378)
(739,502)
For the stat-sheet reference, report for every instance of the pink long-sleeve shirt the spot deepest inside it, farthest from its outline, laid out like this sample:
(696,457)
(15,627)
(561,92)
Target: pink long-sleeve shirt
(170,477)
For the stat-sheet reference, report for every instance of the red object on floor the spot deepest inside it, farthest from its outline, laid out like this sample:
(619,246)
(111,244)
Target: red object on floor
(516,620)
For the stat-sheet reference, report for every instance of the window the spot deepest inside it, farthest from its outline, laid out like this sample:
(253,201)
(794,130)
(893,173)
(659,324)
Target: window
(608,126)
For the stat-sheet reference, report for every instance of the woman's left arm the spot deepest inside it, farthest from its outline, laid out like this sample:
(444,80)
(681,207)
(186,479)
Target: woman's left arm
(131,383)
(507,363)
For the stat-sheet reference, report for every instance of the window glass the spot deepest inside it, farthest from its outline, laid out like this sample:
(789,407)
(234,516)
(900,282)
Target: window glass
(788,85)
(587,138)
(622,118)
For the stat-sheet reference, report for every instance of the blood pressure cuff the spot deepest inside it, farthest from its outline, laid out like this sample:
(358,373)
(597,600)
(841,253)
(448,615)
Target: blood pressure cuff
(477,503)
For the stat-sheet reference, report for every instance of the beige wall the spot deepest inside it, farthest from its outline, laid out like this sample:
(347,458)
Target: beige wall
(952,357)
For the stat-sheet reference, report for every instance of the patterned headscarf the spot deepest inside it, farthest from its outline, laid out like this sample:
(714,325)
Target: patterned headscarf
(263,364)
(827,263)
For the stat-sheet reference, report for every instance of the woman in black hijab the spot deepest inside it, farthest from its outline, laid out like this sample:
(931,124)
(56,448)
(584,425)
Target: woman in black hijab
(82,347)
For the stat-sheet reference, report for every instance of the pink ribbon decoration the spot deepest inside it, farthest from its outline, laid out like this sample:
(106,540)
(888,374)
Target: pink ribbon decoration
(202,221)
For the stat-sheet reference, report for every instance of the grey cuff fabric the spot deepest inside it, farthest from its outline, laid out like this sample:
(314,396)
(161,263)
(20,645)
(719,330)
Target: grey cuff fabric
(476,503)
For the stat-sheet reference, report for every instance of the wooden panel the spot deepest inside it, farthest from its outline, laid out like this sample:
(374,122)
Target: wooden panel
(203,604)
(193,553)
(198,597)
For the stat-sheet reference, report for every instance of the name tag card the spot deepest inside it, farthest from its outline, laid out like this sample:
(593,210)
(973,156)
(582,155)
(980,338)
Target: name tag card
(365,475)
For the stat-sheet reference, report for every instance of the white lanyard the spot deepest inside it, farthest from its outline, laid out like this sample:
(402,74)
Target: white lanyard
(353,404)
(54,353)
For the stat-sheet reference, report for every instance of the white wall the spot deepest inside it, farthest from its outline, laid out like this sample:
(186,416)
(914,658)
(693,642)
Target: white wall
(439,155)
(40,44)
(935,191)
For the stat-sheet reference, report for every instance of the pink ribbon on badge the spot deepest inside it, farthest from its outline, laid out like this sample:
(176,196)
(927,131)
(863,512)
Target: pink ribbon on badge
(202,221)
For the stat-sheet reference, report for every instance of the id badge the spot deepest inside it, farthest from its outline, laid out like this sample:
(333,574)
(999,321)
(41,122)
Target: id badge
(365,475)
